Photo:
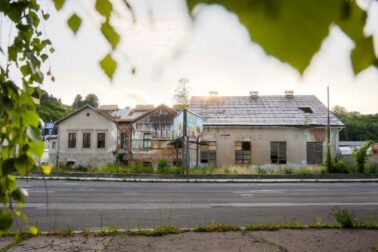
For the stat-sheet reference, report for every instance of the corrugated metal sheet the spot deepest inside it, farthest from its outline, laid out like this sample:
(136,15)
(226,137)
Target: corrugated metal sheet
(261,111)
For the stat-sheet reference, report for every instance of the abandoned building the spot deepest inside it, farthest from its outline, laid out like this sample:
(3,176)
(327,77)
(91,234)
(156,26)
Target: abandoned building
(266,131)
(95,137)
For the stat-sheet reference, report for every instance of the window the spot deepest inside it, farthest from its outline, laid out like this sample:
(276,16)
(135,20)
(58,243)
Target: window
(146,140)
(278,152)
(314,152)
(100,140)
(53,145)
(242,152)
(72,140)
(124,141)
(208,153)
(86,140)
(307,110)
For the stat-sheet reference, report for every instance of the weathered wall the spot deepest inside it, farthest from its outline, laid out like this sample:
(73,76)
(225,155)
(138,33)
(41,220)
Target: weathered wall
(80,123)
(261,138)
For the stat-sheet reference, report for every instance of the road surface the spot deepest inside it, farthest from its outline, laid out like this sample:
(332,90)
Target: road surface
(93,205)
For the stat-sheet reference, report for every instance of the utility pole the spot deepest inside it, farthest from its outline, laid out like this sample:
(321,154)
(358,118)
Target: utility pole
(328,119)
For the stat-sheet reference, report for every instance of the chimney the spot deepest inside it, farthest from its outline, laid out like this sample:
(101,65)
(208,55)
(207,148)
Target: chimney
(213,93)
(289,93)
(253,94)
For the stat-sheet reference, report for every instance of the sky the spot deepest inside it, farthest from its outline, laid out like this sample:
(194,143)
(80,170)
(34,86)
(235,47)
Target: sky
(214,53)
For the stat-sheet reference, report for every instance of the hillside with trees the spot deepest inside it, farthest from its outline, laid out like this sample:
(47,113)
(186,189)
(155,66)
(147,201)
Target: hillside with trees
(50,108)
(359,127)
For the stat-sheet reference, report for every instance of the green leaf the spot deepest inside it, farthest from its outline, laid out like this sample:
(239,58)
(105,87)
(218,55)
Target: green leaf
(110,34)
(30,118)
(37,147)
(6,220)
(104,7)
(33,230)
(293,30)
(74,22)
(109,65)
(46,169)
(363,54)
(59,4)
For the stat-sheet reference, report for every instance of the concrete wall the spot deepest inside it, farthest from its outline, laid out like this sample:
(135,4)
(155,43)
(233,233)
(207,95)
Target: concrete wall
(91,121)
(261,137)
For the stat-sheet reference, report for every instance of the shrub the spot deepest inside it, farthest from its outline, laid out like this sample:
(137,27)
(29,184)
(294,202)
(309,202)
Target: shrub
(340,167)
(329,162)
(345,218)
(361,156)
(288,170)
(162,165)
(260,170)
(373,169)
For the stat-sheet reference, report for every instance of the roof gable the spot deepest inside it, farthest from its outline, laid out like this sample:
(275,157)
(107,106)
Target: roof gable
(81,109)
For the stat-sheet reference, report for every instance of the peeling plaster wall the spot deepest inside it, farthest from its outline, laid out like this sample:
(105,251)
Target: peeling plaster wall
(296,143)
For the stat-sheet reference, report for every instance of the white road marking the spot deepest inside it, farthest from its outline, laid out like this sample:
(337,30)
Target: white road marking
(157,206)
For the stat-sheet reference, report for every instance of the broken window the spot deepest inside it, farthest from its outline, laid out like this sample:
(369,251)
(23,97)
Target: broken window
(100,140)
(242,152)
(278,152)
(209,153)
(146,140)
(72,140)
(314,152)
(86,140)
(124,141)
(307,110)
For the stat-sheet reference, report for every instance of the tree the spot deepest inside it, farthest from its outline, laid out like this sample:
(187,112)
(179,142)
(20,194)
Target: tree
(181,96)
(91,99)
(361,156)
(78,102)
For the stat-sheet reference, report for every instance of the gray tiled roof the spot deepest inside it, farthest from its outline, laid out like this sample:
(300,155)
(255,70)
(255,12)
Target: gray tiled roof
(261,111)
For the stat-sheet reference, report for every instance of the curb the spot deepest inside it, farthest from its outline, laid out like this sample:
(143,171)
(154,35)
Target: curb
(206,180)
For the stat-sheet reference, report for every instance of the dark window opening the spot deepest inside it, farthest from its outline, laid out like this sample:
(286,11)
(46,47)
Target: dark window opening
(124,141)
(100,140)
(72,140)
(86,140)
(242,152)
(54,145)
(278,152)
(307,110)
(147,143)
(208,153)
(314,152)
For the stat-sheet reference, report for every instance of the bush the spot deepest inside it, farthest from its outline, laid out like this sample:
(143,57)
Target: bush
(329,163)
(260,170)
(361,156)
(345,218)
(340,167)
(162,165)
(373,169)
(288,170)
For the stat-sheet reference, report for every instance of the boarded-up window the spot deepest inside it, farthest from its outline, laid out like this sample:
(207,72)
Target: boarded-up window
(86,140)
(314,152)
(100,140)
(124,141)
(242,152)
(209,153)
(278,152)
(146,140)
(72,140)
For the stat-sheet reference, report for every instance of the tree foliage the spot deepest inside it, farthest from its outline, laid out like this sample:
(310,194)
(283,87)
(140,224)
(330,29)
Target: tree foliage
(361,156)
(358,127)
(293,30)
(90,99)
(181,96)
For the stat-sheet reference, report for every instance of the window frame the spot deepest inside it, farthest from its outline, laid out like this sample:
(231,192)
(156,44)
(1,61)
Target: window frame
(87,141)
(99,141)
(72,140)
(243,155)
(208,153)
(277,146)
(147,141)
(124,141)
(316,149)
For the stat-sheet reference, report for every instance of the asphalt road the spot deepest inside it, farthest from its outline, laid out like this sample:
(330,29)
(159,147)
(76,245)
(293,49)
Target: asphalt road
(130,205)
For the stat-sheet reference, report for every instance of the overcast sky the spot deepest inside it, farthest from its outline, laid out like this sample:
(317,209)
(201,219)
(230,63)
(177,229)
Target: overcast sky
(213,54)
